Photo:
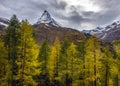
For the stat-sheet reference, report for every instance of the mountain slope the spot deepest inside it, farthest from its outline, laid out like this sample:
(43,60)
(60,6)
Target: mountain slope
(50,33)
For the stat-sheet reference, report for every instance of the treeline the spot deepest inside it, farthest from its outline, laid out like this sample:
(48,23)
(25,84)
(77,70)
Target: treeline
(25,63)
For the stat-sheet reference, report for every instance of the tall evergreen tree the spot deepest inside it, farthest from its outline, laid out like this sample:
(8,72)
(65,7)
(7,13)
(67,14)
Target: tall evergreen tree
(43,58)
(64,61)
(81,55)
(12,41)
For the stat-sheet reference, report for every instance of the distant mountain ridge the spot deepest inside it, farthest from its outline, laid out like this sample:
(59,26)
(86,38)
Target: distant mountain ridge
(103,29)
(109,33)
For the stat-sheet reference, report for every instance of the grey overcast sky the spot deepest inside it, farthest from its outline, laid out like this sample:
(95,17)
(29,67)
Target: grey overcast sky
(79,14)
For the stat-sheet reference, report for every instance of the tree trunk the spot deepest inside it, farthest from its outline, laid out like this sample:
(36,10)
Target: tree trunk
(106,75)
(56,72)
(84,64)
(116,80)
(66,69)
(95,82)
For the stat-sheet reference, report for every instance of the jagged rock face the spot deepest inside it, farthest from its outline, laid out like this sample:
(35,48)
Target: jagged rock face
(113,34)
(50,33)
(47,19)
(3,23)
(108,33)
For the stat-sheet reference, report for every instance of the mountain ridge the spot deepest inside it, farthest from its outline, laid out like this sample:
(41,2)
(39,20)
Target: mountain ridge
(106,33)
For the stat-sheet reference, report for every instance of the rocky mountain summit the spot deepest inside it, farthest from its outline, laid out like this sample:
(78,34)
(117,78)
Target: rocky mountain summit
(47,19)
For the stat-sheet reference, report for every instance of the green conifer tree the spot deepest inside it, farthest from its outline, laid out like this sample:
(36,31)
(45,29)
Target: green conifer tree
(12,41)
(43,59)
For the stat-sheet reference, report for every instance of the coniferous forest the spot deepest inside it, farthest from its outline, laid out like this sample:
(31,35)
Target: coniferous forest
(25,63)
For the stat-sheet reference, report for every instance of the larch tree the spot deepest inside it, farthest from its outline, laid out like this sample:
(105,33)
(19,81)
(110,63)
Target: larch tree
(4,66)
(110,66)
(116,48)
(81,55)
(28,54)
(72,54)
(73,64)
(93,56)
(54,62)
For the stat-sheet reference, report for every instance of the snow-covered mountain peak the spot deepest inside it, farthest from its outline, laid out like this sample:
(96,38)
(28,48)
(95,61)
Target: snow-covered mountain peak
(47,19)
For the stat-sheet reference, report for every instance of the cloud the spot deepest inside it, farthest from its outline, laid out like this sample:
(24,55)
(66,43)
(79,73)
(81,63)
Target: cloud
(79,14)
(110,11)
